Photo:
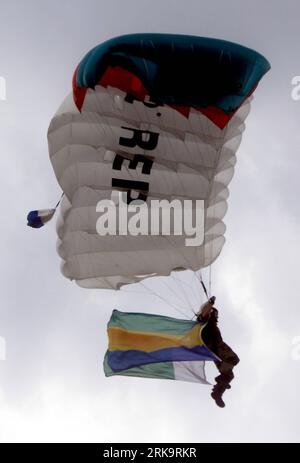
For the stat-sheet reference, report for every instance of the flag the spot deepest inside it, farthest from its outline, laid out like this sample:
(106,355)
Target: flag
(156,346)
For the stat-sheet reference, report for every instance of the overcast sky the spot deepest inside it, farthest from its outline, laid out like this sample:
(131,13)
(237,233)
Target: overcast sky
(52,387)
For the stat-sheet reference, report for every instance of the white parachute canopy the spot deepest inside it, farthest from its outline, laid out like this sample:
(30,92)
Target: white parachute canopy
(93,154)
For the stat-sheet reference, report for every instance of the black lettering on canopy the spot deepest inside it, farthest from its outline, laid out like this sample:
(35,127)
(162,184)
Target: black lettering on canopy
(137,139)
(129,98)
(129,185)
(146,161)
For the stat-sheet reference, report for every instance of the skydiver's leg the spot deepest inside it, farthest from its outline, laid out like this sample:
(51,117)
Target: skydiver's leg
(228,361)
(225,366)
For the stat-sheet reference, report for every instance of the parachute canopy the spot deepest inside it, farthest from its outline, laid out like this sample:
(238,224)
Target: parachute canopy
(155,346)
(157,117)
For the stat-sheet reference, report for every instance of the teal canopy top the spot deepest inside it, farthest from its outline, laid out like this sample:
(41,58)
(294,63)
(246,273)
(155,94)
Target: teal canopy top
(179,70)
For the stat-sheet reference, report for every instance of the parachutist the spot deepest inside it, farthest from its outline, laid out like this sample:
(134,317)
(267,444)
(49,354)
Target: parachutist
(180,157)
(208,315)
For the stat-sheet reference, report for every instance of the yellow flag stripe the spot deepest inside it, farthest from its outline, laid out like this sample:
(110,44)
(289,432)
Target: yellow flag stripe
(120,339)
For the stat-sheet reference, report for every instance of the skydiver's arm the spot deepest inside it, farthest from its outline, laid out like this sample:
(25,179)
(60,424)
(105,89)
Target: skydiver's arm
(204,312)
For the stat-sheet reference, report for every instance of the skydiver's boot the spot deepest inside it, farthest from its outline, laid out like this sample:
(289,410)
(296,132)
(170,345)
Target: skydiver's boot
(217,392)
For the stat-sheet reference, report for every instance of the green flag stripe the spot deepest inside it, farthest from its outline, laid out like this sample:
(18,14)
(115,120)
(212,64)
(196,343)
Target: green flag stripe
(150,323)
